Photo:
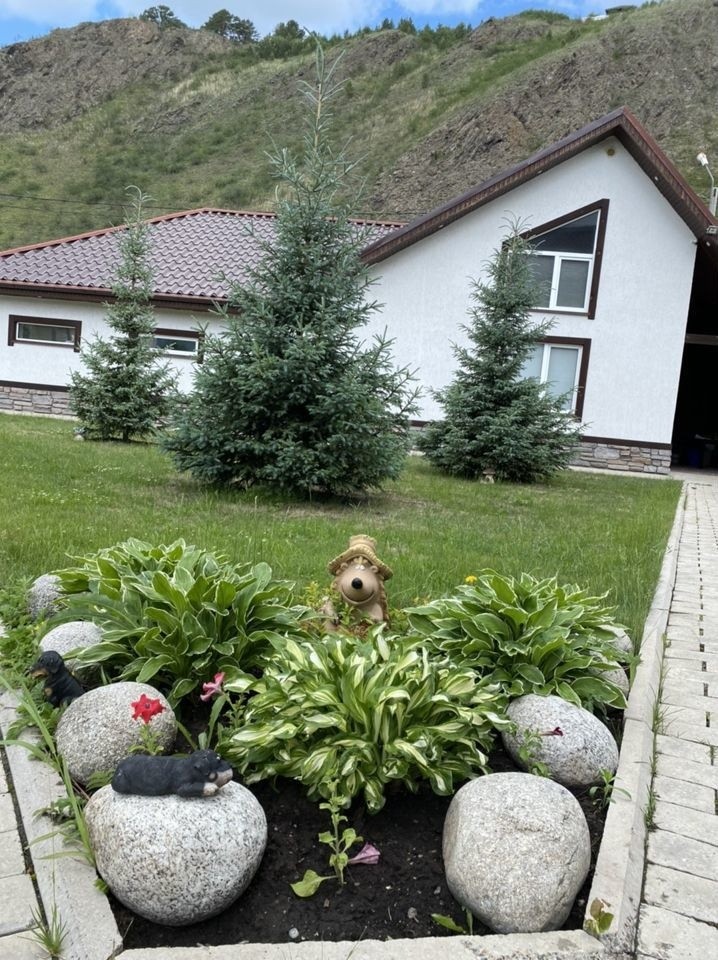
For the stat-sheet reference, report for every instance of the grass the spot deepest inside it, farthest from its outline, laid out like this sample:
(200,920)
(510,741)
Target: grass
(60,497)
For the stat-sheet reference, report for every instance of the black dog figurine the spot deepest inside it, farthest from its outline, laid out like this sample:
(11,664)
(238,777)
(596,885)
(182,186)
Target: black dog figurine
(60,685)
(201,774)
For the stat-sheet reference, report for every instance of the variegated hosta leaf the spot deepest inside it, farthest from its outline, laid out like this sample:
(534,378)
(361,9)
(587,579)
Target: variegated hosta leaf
(381,710)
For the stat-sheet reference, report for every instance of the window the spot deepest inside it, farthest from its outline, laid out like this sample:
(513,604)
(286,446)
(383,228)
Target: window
(565,260)
(177,343)
(41,330)
(562,364)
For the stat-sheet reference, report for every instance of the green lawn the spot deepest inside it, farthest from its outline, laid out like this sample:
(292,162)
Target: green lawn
(61,497)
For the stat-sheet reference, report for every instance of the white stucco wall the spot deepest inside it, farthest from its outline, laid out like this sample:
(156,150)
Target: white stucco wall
(642,306)
(35,363)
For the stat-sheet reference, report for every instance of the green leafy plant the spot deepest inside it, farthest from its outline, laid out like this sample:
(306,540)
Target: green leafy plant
(339,844)
(450,924)
(599,920)
(176,614)
(604,792)
(363,712)
(529,745)
(527,635)
(49,932)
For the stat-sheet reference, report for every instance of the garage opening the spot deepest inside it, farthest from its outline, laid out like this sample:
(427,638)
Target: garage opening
(695,428)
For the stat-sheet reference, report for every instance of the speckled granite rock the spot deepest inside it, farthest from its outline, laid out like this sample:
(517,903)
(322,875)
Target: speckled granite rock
(516,851)
(43,595)
(177,861)
(621,639)
(98,730)
(576,756)
(617,676)
(70,636)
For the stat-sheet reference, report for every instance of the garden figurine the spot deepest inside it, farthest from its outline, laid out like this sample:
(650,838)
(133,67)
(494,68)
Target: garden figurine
(359,577)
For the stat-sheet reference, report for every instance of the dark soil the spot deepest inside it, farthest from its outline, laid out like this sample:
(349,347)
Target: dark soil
(393,899)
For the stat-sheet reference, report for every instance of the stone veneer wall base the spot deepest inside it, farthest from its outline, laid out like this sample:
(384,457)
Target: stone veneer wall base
(623,458)
(42,400)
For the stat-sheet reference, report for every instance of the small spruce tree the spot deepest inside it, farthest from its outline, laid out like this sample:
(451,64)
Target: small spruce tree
(289,397)
(496,420)
(125,388)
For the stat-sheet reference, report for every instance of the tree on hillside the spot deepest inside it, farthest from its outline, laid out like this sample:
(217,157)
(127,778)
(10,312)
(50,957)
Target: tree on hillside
(162,16)
(126,388)
(289,396)
(231,27)
(496,419)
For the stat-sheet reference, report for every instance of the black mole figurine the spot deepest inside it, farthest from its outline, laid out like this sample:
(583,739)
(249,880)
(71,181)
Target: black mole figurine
(201,774)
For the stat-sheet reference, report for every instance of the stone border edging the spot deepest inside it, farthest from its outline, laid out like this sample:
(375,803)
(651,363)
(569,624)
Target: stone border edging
(618,875)
(67,882)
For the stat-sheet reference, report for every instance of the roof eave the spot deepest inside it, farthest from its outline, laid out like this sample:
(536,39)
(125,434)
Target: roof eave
(51,291)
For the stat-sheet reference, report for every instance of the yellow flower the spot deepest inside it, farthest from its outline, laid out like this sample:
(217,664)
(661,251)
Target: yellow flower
(470,579)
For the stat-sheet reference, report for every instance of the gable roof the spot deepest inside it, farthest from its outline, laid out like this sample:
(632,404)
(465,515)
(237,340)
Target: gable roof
(620,124)
(196,256)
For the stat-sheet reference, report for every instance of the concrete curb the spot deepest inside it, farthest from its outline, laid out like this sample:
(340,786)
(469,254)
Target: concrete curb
(66,882)
(618,876)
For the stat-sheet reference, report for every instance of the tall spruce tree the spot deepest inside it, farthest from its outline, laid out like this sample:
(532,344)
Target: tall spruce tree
(289,397)
(126,388)
(496,420)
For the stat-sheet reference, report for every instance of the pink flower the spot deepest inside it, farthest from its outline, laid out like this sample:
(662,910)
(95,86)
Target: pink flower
(213,688)
(556,732)
(368,854)
(145,708)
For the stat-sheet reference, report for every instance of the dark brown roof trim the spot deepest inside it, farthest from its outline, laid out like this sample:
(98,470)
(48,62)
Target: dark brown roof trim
(620,123)
(48,291)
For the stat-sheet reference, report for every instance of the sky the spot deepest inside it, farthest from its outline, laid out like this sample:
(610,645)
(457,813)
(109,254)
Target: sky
(27,19)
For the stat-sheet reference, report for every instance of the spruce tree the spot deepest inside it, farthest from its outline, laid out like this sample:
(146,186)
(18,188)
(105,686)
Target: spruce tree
(289,396)
(496,420)
(125,388)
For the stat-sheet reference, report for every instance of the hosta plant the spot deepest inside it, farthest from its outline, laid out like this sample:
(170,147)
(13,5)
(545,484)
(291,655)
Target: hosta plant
(527,635)
(177,615)
(363,712)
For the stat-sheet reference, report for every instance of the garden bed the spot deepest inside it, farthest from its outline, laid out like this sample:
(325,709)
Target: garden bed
(393,899)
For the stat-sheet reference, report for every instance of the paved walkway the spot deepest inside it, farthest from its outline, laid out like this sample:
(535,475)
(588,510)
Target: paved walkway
(679,912)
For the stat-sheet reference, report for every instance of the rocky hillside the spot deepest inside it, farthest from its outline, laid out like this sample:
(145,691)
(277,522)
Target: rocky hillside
(188,116)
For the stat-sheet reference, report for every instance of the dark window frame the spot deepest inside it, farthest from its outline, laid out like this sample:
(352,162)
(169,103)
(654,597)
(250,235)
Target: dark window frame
(585,344)
(14,319)
(535,232)
(182,335)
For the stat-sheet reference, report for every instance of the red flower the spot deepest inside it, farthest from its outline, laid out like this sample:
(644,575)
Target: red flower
(556,732)
(145,708)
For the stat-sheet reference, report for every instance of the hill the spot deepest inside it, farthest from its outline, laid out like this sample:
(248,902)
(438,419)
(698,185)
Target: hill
(188,116)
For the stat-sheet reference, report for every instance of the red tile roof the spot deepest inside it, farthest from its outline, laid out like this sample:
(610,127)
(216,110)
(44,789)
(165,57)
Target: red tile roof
(196,254)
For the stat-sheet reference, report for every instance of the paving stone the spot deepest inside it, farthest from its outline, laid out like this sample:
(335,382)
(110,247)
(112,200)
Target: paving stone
(698,657)
(679,769)
(698,715)
(686,822)
(681,893)
(665,935)
(3,779)
(7,813)
(694,645)
(17,897)
(688,692)
(692,731)
(21,946)
(684,794)
(683,853)
(689,670)
(12,861)
(673,747)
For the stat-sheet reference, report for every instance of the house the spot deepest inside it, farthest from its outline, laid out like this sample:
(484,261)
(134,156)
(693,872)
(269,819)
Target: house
(625,254)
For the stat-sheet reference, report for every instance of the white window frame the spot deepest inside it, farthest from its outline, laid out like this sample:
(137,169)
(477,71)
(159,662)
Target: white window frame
(15,321)
(185,337)
(582,348)
(559,257)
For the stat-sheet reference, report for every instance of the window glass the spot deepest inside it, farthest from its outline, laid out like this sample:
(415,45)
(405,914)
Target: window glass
(532,365)
(175,344)
(572,283)
(574,237)
(561,375)
(44,333)
(542,274)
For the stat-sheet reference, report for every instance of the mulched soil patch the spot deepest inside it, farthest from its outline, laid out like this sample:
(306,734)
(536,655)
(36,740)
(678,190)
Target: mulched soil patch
(391,900)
